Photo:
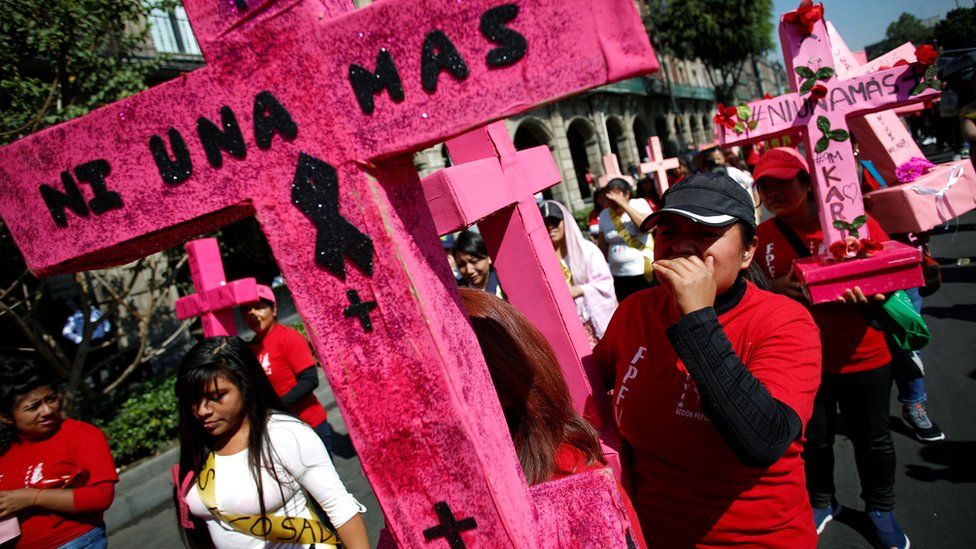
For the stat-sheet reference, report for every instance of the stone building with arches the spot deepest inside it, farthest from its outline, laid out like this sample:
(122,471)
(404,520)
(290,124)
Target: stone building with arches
(616,119)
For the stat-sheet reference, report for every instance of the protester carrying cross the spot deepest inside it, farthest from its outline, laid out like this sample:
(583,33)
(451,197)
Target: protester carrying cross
(288,362)
(713,379)
(628,250)
(856,362)
(249,474)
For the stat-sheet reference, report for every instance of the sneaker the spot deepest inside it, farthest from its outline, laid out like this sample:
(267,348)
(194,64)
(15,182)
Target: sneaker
(823,515)
(918,421)
(889,532)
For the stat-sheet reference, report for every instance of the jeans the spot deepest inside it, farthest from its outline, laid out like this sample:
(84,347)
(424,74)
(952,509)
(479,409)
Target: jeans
(911,386)
(324,431)
(863,398)
(92,539)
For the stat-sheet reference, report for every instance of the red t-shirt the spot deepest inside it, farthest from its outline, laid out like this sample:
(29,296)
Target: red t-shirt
(283,353)
(850,343)
(688,487)
(77,449)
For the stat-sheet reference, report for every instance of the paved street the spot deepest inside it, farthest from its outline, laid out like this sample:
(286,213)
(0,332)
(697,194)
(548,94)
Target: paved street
(936,484)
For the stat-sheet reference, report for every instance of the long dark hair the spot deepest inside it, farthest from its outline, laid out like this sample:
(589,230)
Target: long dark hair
(17,378)
(471,243)
(231,358)
(527,378)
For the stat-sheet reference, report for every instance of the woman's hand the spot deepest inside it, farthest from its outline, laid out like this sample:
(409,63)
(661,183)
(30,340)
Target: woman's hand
(617,196)
(575,291)
(690,280)
(789,286)
(854,296)
(14,501)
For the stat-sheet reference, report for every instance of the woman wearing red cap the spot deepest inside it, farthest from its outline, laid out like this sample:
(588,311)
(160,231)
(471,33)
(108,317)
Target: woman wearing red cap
(288,362)
(856,361)
(713,379)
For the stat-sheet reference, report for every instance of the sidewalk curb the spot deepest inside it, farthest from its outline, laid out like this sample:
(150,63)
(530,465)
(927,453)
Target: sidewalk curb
(142,490)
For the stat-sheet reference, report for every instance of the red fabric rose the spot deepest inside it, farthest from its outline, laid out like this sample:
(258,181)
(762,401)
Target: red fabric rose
(871,246)
(845,249)
(819,91)
(726,116)
(926,54)
(901,63)
(767,96)
(805,16)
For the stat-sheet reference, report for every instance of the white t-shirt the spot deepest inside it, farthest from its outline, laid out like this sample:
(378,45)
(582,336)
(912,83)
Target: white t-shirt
(300,461)
(624,260)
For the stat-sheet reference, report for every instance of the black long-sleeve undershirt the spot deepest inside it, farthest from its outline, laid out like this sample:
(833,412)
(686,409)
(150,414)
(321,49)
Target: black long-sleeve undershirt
(757,427)
(305,382)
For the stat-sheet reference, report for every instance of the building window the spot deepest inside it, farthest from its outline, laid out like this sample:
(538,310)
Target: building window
(171,32)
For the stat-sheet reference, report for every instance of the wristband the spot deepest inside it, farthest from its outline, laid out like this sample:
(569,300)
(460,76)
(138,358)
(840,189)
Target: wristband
(36,495)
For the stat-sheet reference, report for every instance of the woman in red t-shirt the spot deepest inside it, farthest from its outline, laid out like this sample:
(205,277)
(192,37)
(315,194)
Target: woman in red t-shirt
(856,362)
(551,439)
(713,379)
(57,475)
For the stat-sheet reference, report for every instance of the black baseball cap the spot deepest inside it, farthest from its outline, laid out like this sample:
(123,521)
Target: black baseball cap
(550,211)
(712,199)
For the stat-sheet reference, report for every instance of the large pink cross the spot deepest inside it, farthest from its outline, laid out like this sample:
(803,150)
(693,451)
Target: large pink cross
(216,298)
(823,122)
(303,116)
(611,170)
(881,136)
(494,185)
(658,165)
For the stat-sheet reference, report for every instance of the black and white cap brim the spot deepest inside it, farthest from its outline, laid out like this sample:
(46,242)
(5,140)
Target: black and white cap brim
(698,215)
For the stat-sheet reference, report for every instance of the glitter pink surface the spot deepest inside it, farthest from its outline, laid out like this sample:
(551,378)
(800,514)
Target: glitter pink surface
(414,391)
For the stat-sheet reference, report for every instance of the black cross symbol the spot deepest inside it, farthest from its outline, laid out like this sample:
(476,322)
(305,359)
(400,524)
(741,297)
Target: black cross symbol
(315,190)
(359,308)
(449,528)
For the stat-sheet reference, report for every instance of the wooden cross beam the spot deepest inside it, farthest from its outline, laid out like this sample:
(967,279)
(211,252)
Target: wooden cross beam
(305,112)
(611,170)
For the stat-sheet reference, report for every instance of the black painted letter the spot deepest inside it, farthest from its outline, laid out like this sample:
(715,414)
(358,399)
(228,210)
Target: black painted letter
(366,84)
(271,117)
(213,139)
(94,173)
(512,44)
(440,53)
(57,201)
(180,168)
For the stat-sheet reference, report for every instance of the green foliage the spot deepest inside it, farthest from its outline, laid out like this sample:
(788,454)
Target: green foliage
(957,30)
(62,58)
(907,28)
(582,218)
(143,424)
(724,35)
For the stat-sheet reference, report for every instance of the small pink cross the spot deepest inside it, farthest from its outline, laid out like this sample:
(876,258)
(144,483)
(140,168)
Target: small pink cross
(611,170)
(215,299)
(657,164)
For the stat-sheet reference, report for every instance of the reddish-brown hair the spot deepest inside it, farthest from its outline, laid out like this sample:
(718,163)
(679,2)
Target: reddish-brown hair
(530,387)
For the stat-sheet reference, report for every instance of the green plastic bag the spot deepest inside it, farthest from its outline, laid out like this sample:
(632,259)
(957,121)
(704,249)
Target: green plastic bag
(905,326)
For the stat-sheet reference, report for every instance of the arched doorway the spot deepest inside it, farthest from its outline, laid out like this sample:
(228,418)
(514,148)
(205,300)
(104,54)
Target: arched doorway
(532,133)
(585,152)
(669,145)
(641,134)
(618,142)
(696,134)
(679,128)
(707,128)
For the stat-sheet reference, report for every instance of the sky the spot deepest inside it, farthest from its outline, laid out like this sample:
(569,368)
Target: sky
(863,22)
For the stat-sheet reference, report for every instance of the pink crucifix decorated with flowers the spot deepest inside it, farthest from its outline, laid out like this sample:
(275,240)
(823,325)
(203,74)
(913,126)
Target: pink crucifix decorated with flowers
(657,165)
(820,106)
(611,170)
(305,116)
(216,298)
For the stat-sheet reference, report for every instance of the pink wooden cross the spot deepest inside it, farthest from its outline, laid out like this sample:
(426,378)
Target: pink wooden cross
(494,185)
(881,136)
(657,164)
(824,125)
(216,298)
(611,170)
(316,146)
